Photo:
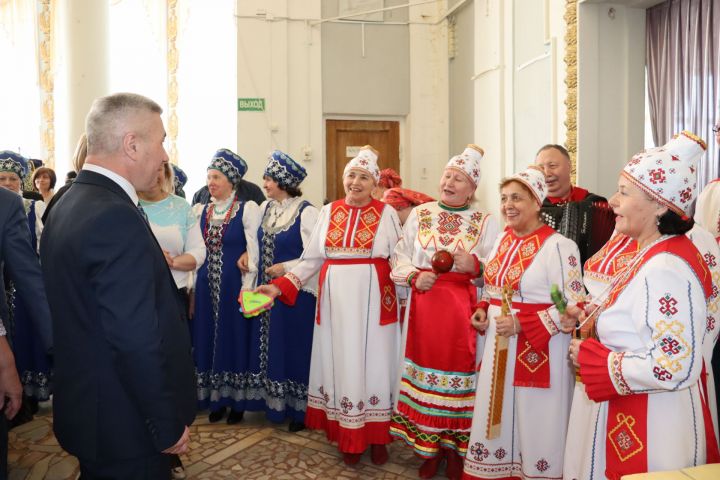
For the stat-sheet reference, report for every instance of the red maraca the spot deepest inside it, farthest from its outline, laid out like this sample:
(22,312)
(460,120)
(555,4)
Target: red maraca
(442,261)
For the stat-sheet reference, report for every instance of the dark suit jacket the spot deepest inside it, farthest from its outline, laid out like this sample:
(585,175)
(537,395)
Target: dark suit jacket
(20,262)
(124,375)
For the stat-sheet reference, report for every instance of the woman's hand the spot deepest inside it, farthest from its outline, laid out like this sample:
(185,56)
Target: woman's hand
(479,320)
(571,318)
(425,281)
(464,262)
(242,263)
(270,290)
(275,271)
(507,325)
(575,351)
(168,258)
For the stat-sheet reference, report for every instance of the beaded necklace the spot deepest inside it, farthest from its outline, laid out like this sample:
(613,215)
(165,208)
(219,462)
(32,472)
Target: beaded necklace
(216,243)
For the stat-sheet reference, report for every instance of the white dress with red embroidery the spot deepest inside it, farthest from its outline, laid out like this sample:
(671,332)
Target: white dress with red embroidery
(356,342)
(618,253)
(647,413)
(538,378)
(437,379)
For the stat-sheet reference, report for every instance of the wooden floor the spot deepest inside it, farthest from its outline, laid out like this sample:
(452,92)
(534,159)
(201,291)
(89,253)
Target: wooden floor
(252,449)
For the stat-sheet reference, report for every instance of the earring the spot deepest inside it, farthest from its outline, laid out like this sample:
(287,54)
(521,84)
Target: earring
(657,221)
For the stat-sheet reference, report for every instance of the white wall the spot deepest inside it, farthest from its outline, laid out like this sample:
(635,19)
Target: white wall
(611,98)
(279,59)
(461,50)
(519,102)
(427,139)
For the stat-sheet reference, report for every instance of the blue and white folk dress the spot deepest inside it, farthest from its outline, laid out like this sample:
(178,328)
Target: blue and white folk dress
(221,335)
(282,337)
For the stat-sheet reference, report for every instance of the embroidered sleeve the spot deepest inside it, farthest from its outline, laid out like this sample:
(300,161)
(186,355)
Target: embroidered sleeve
(403,270)
(562,264)
(670,310)
(314,253)
(194,243)
(597,372)
(308,220)
(289,286)
(251,223)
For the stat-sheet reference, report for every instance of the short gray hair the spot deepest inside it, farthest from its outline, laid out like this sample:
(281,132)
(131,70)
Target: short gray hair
(105,124)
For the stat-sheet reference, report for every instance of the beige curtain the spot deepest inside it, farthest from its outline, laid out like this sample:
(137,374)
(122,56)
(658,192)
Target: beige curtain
(683,68)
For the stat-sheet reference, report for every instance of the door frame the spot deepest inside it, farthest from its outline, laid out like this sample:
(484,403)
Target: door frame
(402,124)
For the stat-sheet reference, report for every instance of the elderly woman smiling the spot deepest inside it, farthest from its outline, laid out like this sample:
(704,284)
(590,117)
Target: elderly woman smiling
(520,420)
(355,344)
(649,409)
(433,414)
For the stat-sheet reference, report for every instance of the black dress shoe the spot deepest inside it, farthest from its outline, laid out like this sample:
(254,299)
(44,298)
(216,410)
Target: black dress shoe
(235,417)
(217,415)
(296,426)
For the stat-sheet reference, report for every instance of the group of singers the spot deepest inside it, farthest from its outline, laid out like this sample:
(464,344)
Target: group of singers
(478,366)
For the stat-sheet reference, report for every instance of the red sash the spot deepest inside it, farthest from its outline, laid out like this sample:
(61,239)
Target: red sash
(626,441)
(532,365)
(388,300)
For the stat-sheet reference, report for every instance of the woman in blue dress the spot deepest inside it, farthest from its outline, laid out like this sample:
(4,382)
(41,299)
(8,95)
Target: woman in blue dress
(280,354)
(31,359)
(221,335)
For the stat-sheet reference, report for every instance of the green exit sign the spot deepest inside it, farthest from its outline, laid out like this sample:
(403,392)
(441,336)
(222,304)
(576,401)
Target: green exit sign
(251,104)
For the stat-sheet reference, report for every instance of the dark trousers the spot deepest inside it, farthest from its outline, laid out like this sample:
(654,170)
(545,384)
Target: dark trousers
(154,467)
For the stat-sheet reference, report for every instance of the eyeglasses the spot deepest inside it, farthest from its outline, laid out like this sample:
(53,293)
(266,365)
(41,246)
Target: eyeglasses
(716,129)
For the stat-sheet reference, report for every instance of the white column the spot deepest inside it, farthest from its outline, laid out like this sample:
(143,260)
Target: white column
(82,70)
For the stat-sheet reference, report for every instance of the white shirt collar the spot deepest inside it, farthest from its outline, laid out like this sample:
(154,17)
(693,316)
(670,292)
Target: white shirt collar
(121,181)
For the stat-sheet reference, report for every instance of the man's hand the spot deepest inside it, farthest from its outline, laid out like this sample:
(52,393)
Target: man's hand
(10,386)
(182,445)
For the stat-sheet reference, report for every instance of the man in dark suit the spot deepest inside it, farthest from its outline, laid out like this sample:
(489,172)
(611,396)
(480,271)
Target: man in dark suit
(124,377)
(20,262)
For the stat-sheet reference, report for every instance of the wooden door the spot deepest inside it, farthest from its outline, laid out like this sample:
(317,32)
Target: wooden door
(343,139)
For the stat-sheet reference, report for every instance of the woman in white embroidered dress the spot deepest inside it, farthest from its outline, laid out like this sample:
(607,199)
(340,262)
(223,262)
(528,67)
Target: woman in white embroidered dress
(648,411)
(520,421)
(355,343)
(437,384)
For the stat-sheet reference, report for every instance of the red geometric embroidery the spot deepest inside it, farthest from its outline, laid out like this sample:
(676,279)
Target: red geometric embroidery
(500,453)
(657,176)
(449,223)
(479,452)
(542,465)
(374,400)
(346,405)
(686,195)
(710,259)
(667,305)
(710,324)
(661,374)
(670,346)
(573,261)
